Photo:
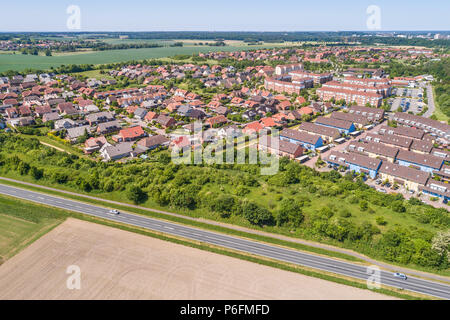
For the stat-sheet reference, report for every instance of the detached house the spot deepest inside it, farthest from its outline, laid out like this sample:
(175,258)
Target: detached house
(153,142)
(107,127)
(130,134)
(66,108)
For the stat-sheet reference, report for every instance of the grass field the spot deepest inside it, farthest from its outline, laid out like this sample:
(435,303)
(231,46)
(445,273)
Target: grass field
(438,112)
(19,62)
(22,223)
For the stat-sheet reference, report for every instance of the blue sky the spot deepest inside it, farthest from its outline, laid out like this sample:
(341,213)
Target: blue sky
(228,15)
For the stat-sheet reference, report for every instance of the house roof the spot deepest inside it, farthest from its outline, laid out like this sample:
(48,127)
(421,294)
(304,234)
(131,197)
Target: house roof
(152,141)
(376,148)
(354,118)
(405,173)
(420,159)
(283,146)
(337,123)
(399,141)
(132,132)
(318,129)
(300,136)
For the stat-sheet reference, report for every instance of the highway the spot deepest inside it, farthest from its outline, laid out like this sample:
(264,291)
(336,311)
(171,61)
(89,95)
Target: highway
(418,285)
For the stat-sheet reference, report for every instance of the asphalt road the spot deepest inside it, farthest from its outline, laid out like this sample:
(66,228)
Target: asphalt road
(436,289)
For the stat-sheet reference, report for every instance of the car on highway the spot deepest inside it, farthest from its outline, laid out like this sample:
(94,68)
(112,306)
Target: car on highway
(114,211)
(400,275)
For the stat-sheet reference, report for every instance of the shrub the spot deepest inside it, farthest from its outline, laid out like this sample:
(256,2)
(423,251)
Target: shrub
(381,221)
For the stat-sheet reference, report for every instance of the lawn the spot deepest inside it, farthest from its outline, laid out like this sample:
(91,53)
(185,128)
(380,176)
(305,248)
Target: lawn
(22,223)
(95,74)
(438,112)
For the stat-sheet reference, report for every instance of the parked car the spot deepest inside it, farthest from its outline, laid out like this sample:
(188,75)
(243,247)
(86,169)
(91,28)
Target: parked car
(382,190)
(400,275)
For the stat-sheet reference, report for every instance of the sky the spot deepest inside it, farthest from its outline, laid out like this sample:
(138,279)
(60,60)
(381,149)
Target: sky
(225,15)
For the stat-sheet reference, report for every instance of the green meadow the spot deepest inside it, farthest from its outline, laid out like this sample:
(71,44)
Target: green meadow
(20,62)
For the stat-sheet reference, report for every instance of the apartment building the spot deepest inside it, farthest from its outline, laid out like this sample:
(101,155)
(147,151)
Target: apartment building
(350,96)
(318,78)
(383,89)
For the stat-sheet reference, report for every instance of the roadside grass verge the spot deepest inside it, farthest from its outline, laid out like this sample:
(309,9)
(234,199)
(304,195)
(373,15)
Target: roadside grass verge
(22,223)
(211,248)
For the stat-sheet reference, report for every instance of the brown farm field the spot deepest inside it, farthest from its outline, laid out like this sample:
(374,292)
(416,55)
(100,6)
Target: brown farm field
(117,264)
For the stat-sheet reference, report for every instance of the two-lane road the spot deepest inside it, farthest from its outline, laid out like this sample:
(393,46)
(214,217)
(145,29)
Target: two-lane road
(436,289)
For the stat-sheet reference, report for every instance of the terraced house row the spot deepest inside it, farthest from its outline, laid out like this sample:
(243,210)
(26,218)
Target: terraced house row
(409,178)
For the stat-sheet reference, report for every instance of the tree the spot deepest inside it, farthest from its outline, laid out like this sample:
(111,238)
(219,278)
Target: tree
(36,173)
(290,213)
(136,194)
(441,243)
(363,205)
(381,221)
(256,214)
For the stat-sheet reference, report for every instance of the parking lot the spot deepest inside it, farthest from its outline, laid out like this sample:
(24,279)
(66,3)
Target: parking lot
(416,106)
(408,92)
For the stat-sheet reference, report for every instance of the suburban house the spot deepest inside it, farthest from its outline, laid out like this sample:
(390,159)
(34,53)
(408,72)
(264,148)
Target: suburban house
(372,114)
(118,151)
(358,120)
(107,127)
(402,131)
(437,189)
(75,132)
(130,134)
(424,162)
(327,133)
(306,140)
(280,148)
(390,140)
(341,125)
(355,162)
(64,124)
(407,177)
(438,128)
(165,121)
(93,144)
(96,118)
(374,150)
(217,120)
(153,142)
